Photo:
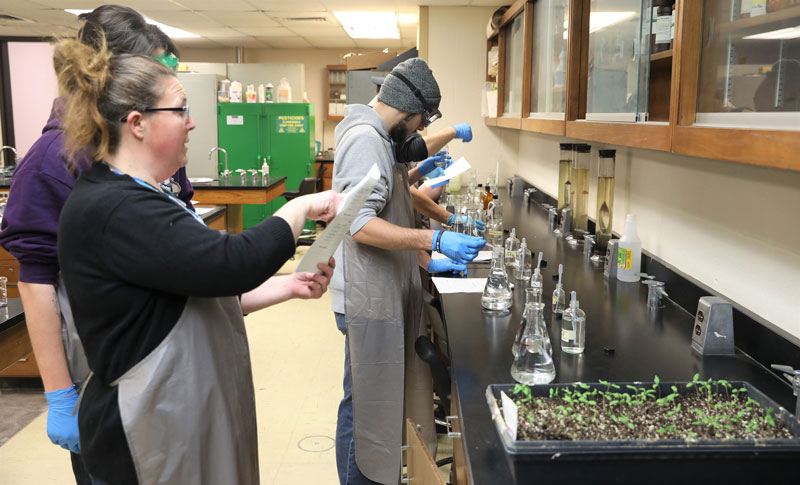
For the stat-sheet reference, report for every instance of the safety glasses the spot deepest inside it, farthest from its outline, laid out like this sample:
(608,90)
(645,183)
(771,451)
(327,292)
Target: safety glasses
(185,110)
(431,114)
(168,59)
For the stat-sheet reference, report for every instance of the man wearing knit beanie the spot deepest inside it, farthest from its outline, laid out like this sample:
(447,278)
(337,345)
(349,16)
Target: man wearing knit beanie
(376,290)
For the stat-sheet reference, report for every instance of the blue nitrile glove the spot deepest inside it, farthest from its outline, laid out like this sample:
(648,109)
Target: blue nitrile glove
(62,426)
(436,172)
(445,264)
(463,131)
(465,220)
(428,165)
(458,247)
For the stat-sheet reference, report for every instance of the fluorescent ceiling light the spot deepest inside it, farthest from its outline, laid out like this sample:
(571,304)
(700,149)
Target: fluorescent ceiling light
(369,25)
(601,20)
(172,32)
(787,33)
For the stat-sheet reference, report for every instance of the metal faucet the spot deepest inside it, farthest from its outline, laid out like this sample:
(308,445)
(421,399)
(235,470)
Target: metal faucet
(226,173)
(13,150)
(793,376)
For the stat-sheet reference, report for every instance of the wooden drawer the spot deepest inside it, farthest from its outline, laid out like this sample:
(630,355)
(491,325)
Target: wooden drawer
(10,269)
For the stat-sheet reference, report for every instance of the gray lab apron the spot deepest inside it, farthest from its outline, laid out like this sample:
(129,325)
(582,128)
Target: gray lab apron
(73,348)
(383,311)
(188,408)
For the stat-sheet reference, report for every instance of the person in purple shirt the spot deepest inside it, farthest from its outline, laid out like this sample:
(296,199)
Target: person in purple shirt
(39,188)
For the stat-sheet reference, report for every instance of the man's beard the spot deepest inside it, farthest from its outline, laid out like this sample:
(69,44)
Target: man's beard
(399,132)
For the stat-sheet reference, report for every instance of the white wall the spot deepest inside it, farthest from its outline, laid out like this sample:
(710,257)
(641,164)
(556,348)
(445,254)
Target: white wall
(33,88)
(733,227)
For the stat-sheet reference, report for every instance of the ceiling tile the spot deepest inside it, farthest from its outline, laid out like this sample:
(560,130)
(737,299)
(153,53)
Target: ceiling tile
(287,42)
(217,32)
(225,5)
(378,44)
(489,3)
(331,42)
(242,19)
(197,43)
(50,16)
(35,30)
(294,19)
(250,42)
(319,31)
(283,5)
(266,31)
(185,20)
(20,4)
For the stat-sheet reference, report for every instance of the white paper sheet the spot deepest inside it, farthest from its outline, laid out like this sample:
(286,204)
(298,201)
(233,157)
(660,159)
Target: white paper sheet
(510,413)
(459,285)
(460,166)
(481,257)
(327,242)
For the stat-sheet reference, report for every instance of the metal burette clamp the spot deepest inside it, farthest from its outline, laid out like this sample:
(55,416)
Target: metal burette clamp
(552,218)
(793,376)
(566,222)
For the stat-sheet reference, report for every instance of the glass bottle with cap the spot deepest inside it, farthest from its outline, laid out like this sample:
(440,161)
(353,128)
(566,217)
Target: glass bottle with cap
(531,297)
(522,269)
(573,327)
(512,246)
(559,297)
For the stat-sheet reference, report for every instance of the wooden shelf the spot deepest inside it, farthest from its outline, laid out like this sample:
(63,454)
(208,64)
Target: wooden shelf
(640,135)
(508,122)
(753,23)
(337,84)
(490,121)
(538,125)
(767,148)
(661,56)
(334,118)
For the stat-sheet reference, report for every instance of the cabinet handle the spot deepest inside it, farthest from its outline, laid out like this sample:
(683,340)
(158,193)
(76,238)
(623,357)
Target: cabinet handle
(404,478)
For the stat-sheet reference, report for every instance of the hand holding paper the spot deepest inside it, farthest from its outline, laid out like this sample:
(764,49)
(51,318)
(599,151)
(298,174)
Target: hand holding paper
(460,166)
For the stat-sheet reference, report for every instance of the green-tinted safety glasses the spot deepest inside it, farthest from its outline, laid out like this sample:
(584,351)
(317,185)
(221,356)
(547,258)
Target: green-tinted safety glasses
(168,59)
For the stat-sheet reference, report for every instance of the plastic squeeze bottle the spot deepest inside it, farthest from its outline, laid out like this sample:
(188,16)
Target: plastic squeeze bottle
(629,252)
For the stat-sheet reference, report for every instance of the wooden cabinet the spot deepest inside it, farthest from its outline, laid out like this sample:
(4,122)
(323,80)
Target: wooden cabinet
(420,466)
(706,109)
(335,91)
(327,173)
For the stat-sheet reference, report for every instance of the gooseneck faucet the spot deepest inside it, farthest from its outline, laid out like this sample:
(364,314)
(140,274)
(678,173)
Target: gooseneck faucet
(226,173)
(13,150)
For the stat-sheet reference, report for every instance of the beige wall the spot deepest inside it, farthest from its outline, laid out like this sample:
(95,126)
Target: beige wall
(314,60)
(731,226)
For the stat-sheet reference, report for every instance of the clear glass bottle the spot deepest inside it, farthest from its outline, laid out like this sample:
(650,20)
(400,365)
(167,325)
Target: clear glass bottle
(512,246)
(536,278)
(494,230)
(573,327)
(605,201)
(527,316)
(559,297)
(522,270)
(533,360)
(580,191)
(497,292)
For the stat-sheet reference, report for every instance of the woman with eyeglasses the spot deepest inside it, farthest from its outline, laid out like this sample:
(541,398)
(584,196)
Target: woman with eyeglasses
(157,296)
(39,188)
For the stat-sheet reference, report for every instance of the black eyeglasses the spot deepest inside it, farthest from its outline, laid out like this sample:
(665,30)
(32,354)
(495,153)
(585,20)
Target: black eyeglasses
(431,114)
(185,110)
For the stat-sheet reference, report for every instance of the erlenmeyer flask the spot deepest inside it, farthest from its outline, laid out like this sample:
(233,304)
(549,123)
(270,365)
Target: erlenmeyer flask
(497,293)
(527,316)
(533,361)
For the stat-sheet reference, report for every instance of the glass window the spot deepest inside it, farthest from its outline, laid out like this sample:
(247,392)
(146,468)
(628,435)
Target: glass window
(750,64)
(512,97)
(549,66)
(617,83)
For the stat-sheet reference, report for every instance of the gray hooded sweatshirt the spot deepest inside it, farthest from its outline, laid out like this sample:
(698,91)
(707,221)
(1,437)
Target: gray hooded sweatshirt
(362,139)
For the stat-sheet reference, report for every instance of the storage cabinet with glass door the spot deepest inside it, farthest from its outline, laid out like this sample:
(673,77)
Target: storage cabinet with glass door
(740,82)
(335,83)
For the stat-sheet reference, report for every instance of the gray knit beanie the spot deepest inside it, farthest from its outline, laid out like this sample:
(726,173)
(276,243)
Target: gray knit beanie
(398,95)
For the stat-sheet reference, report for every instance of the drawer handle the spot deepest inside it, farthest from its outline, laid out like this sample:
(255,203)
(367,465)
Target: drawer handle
(450,432)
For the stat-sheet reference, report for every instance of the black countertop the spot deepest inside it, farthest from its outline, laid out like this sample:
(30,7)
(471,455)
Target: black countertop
(235,183)
(644,344)
(11,314)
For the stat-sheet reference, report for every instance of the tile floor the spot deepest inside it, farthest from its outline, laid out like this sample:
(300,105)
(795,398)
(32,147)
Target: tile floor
(297,355)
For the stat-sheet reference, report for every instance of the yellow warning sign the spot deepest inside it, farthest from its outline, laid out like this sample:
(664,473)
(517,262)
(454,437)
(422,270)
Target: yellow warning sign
(292,124)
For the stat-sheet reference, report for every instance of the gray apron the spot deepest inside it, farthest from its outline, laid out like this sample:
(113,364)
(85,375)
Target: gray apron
(73,348)
(188,408)
(383,310)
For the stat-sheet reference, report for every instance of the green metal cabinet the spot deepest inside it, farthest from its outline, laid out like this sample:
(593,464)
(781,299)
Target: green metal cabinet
(282,134)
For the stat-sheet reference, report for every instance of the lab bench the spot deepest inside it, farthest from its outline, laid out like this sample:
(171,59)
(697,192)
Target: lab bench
(234,192)
(624,342)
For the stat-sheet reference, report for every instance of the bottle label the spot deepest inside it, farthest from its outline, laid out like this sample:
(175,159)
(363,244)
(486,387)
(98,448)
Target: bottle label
(567,335)
(624,258)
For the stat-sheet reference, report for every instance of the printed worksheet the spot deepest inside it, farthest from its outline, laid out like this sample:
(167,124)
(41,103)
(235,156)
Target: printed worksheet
(460,166)
(327,242)
(459,285)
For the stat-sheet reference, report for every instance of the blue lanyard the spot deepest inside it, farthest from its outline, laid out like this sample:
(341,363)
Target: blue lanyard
(170,196)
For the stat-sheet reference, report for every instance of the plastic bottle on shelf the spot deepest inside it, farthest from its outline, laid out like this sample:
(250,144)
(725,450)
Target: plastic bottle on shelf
(250,94)
(284,91)
(236,92)
(269,91)
(629,252)
(262,94)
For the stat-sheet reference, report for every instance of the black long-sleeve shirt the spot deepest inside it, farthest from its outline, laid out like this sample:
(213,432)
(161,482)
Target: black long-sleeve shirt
(131,257)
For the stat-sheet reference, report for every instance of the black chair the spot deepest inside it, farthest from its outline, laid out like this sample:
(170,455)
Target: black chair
(307,186)
(321,177)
